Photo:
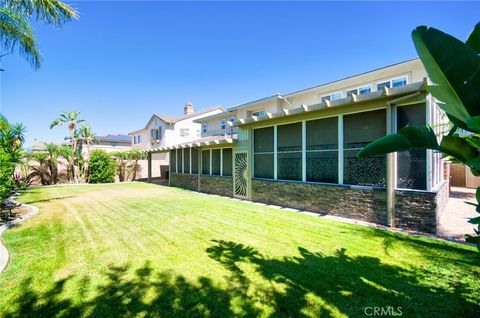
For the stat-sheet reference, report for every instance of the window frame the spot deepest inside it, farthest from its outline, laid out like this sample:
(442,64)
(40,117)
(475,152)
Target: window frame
(260,112)
(223,124)
(390,81)
(323,98)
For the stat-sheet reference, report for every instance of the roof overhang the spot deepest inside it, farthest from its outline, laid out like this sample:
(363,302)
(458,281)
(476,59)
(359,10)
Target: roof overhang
(354,99)
(194,144)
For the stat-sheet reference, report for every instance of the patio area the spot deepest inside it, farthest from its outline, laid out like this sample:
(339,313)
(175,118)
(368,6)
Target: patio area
(453,223)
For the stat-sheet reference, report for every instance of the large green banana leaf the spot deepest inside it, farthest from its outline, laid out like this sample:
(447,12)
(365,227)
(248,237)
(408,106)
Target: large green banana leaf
(407,138)
(473,40)
(454,68)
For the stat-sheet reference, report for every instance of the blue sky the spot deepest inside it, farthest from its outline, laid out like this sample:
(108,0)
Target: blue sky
(123,61)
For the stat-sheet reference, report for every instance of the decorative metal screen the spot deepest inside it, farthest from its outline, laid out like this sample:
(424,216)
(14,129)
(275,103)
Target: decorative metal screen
(241,167)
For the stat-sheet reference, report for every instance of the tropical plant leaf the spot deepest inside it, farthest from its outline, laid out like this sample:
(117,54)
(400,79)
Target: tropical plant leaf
(473,124)
(454,67)
(473,39)
(459,148)
(15,31)
(407,138)
(474,220)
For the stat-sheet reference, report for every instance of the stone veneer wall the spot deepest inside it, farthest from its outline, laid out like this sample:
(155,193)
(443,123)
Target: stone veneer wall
(415,210)
(208,184)
(185,181)
(351,202)
(216,185)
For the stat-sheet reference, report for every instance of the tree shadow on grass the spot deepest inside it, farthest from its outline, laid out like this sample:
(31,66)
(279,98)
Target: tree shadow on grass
(345,284)
(126,294)
(310,284)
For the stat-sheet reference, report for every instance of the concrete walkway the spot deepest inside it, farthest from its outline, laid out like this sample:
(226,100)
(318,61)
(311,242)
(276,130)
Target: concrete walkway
(453,223)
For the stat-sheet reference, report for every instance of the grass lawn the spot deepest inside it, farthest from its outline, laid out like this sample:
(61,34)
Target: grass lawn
(145,250)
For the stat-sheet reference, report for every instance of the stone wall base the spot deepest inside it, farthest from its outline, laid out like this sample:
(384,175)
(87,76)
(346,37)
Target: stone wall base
(203,183)
(414,210)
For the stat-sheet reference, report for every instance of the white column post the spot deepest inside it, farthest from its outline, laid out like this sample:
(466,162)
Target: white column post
(221,161)
(210,162)
(340,149)
(183,160)
(275,152)
(304,151)
(391,169)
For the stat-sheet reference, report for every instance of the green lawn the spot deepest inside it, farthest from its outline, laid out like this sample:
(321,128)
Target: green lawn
(145,250)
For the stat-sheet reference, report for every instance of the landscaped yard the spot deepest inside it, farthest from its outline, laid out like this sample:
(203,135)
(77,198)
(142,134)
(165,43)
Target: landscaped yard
(145,250)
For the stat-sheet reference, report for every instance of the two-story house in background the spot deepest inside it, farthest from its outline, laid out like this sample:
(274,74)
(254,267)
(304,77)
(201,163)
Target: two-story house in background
(164,131)
(300,150)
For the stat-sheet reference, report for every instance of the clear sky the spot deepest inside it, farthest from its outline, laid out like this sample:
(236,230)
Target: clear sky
(123,61)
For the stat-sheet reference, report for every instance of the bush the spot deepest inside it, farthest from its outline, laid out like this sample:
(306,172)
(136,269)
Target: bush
(101,168)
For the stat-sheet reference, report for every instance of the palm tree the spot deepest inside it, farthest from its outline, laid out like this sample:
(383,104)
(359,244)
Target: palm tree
(15,28)
(53,152)
(11,154)
(71,119)
(88,135)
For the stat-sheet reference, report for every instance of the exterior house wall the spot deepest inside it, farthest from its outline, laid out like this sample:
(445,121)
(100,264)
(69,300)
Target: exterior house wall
(203,183)
(414,209)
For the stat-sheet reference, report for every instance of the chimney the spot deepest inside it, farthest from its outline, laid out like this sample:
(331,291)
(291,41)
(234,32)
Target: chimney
(188,109)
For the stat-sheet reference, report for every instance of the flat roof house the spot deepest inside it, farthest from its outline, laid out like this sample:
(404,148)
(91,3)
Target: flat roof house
(300,150)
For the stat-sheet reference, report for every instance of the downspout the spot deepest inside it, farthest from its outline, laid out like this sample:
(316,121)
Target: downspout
(392,159)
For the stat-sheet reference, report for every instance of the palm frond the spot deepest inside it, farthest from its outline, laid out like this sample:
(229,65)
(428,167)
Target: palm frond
(48,11)
(15,30)
(57,122)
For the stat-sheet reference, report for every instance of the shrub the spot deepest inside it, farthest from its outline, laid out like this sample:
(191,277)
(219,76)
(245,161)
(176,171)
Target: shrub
(101,168)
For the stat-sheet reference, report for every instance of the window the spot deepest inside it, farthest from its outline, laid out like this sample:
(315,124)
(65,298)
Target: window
(337,95)
(359,130)
(351,92)
(333,96)
(173,161)
(259,113)
(186,160)
(223,124)
(198,133)
(216,162)
(232,119)
(205,161)
(204,127)
(179,160)
(227,162)
(136,139)
(289,151)
(364,89)
(399,82)
(263,153)
(195,160)
(184,132)
(156,133)
(412,164)
(156,121)
(322,150)
(382,85)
